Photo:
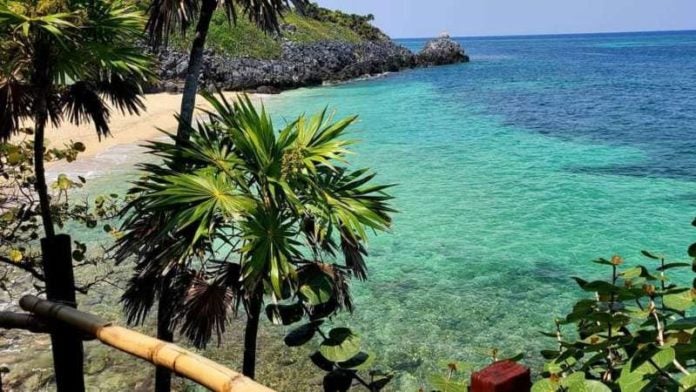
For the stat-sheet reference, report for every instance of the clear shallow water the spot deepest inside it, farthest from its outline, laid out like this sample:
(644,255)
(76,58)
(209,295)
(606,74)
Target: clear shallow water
(513,172)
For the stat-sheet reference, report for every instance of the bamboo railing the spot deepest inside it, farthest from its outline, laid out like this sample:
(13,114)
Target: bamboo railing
(183,362)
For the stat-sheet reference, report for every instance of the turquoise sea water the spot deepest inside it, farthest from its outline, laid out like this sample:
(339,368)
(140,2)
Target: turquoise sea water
(513,172)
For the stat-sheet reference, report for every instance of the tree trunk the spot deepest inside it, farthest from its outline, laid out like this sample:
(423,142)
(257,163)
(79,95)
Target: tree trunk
(250,334)
(163,376)
(39,170)
(66,342)
(188,102)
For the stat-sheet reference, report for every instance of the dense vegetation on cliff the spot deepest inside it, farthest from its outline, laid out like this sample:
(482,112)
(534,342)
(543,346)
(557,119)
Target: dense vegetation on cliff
(314,24)
(246,40)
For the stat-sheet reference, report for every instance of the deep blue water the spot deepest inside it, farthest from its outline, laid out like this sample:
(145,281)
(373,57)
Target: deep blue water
(626,89)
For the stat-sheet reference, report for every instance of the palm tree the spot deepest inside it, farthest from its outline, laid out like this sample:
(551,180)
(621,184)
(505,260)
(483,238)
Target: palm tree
(63,61)
(167,16)
(252,215)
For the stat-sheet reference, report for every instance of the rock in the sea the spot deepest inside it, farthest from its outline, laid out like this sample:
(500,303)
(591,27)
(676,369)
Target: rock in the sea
(440,51)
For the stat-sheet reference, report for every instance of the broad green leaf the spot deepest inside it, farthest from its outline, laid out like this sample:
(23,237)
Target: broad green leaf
(302,334)
(673,265)
(680,324)
(322,363)
(688,383)
(284,314)
(649,255)
(636,379)
(361,361)
(593,386)
(338,380)
(680,302)
(442,383)
(63,183)
(692,249)
(575,382)
(341,345)
(317,290)
(545,385)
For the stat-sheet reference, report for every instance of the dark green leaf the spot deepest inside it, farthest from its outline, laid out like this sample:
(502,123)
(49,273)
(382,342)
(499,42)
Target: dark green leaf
(341,345)
(338,380)
(302,334)
(361,361)
(649,255)
(322,363)
(285,314)
(317,289)
(692,250)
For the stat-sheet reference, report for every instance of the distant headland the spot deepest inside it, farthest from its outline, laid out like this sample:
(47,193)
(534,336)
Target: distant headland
(310,49)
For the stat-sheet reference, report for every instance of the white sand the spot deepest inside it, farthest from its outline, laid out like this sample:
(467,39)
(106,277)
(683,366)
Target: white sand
(126,129)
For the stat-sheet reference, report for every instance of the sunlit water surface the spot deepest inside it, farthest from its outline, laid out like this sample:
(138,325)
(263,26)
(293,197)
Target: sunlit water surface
(513,172)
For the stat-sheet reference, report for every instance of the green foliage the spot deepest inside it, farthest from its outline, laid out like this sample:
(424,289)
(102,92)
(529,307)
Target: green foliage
(20,229)
(251,211)
(632,335)
(245,39)
(313,30)
(359,24)
(60,60)
(339,355)
(452,380)
(77,52)
(242,39)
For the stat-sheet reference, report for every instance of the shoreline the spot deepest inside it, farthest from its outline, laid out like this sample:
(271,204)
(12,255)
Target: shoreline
(158,115)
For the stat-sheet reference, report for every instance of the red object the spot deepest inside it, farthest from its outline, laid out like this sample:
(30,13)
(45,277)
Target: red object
(503,376)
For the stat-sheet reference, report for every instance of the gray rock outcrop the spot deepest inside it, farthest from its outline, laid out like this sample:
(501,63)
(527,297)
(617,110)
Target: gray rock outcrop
(440,51)
(305,64)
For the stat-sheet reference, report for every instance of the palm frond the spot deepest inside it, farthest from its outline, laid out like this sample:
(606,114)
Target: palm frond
(167,16)
(83,104)
(15,105)
(270,245)
(354,254)
(319,141)
(204,310)
(265,14)
(125,94)
(142,291)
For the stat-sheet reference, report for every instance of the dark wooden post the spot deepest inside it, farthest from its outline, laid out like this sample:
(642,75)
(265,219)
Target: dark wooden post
(503,376)
(60,287)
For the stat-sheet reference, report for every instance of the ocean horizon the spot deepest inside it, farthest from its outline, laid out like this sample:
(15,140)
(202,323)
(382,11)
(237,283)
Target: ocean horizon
(512,173)
(542,35)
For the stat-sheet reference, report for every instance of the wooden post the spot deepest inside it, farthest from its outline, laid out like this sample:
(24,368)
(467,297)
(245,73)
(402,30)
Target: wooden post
(503,376)
(66,343)
(163,376)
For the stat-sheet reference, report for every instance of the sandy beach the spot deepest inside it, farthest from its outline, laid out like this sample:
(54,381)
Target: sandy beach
(127,129)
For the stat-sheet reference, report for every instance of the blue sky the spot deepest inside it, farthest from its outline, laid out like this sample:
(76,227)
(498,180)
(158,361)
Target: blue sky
(417,18)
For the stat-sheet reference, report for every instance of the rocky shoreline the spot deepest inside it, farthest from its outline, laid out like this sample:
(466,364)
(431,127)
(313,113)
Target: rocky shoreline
(302,65)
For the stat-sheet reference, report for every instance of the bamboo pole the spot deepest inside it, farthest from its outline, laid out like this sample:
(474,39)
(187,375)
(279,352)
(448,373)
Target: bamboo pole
(185,363)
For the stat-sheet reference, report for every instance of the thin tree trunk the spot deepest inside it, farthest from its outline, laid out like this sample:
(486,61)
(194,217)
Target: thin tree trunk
(251,334)
(163,376)
(39,170)
(188,102)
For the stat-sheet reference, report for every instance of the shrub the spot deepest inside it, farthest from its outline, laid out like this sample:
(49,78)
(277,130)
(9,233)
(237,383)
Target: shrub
(633,334)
